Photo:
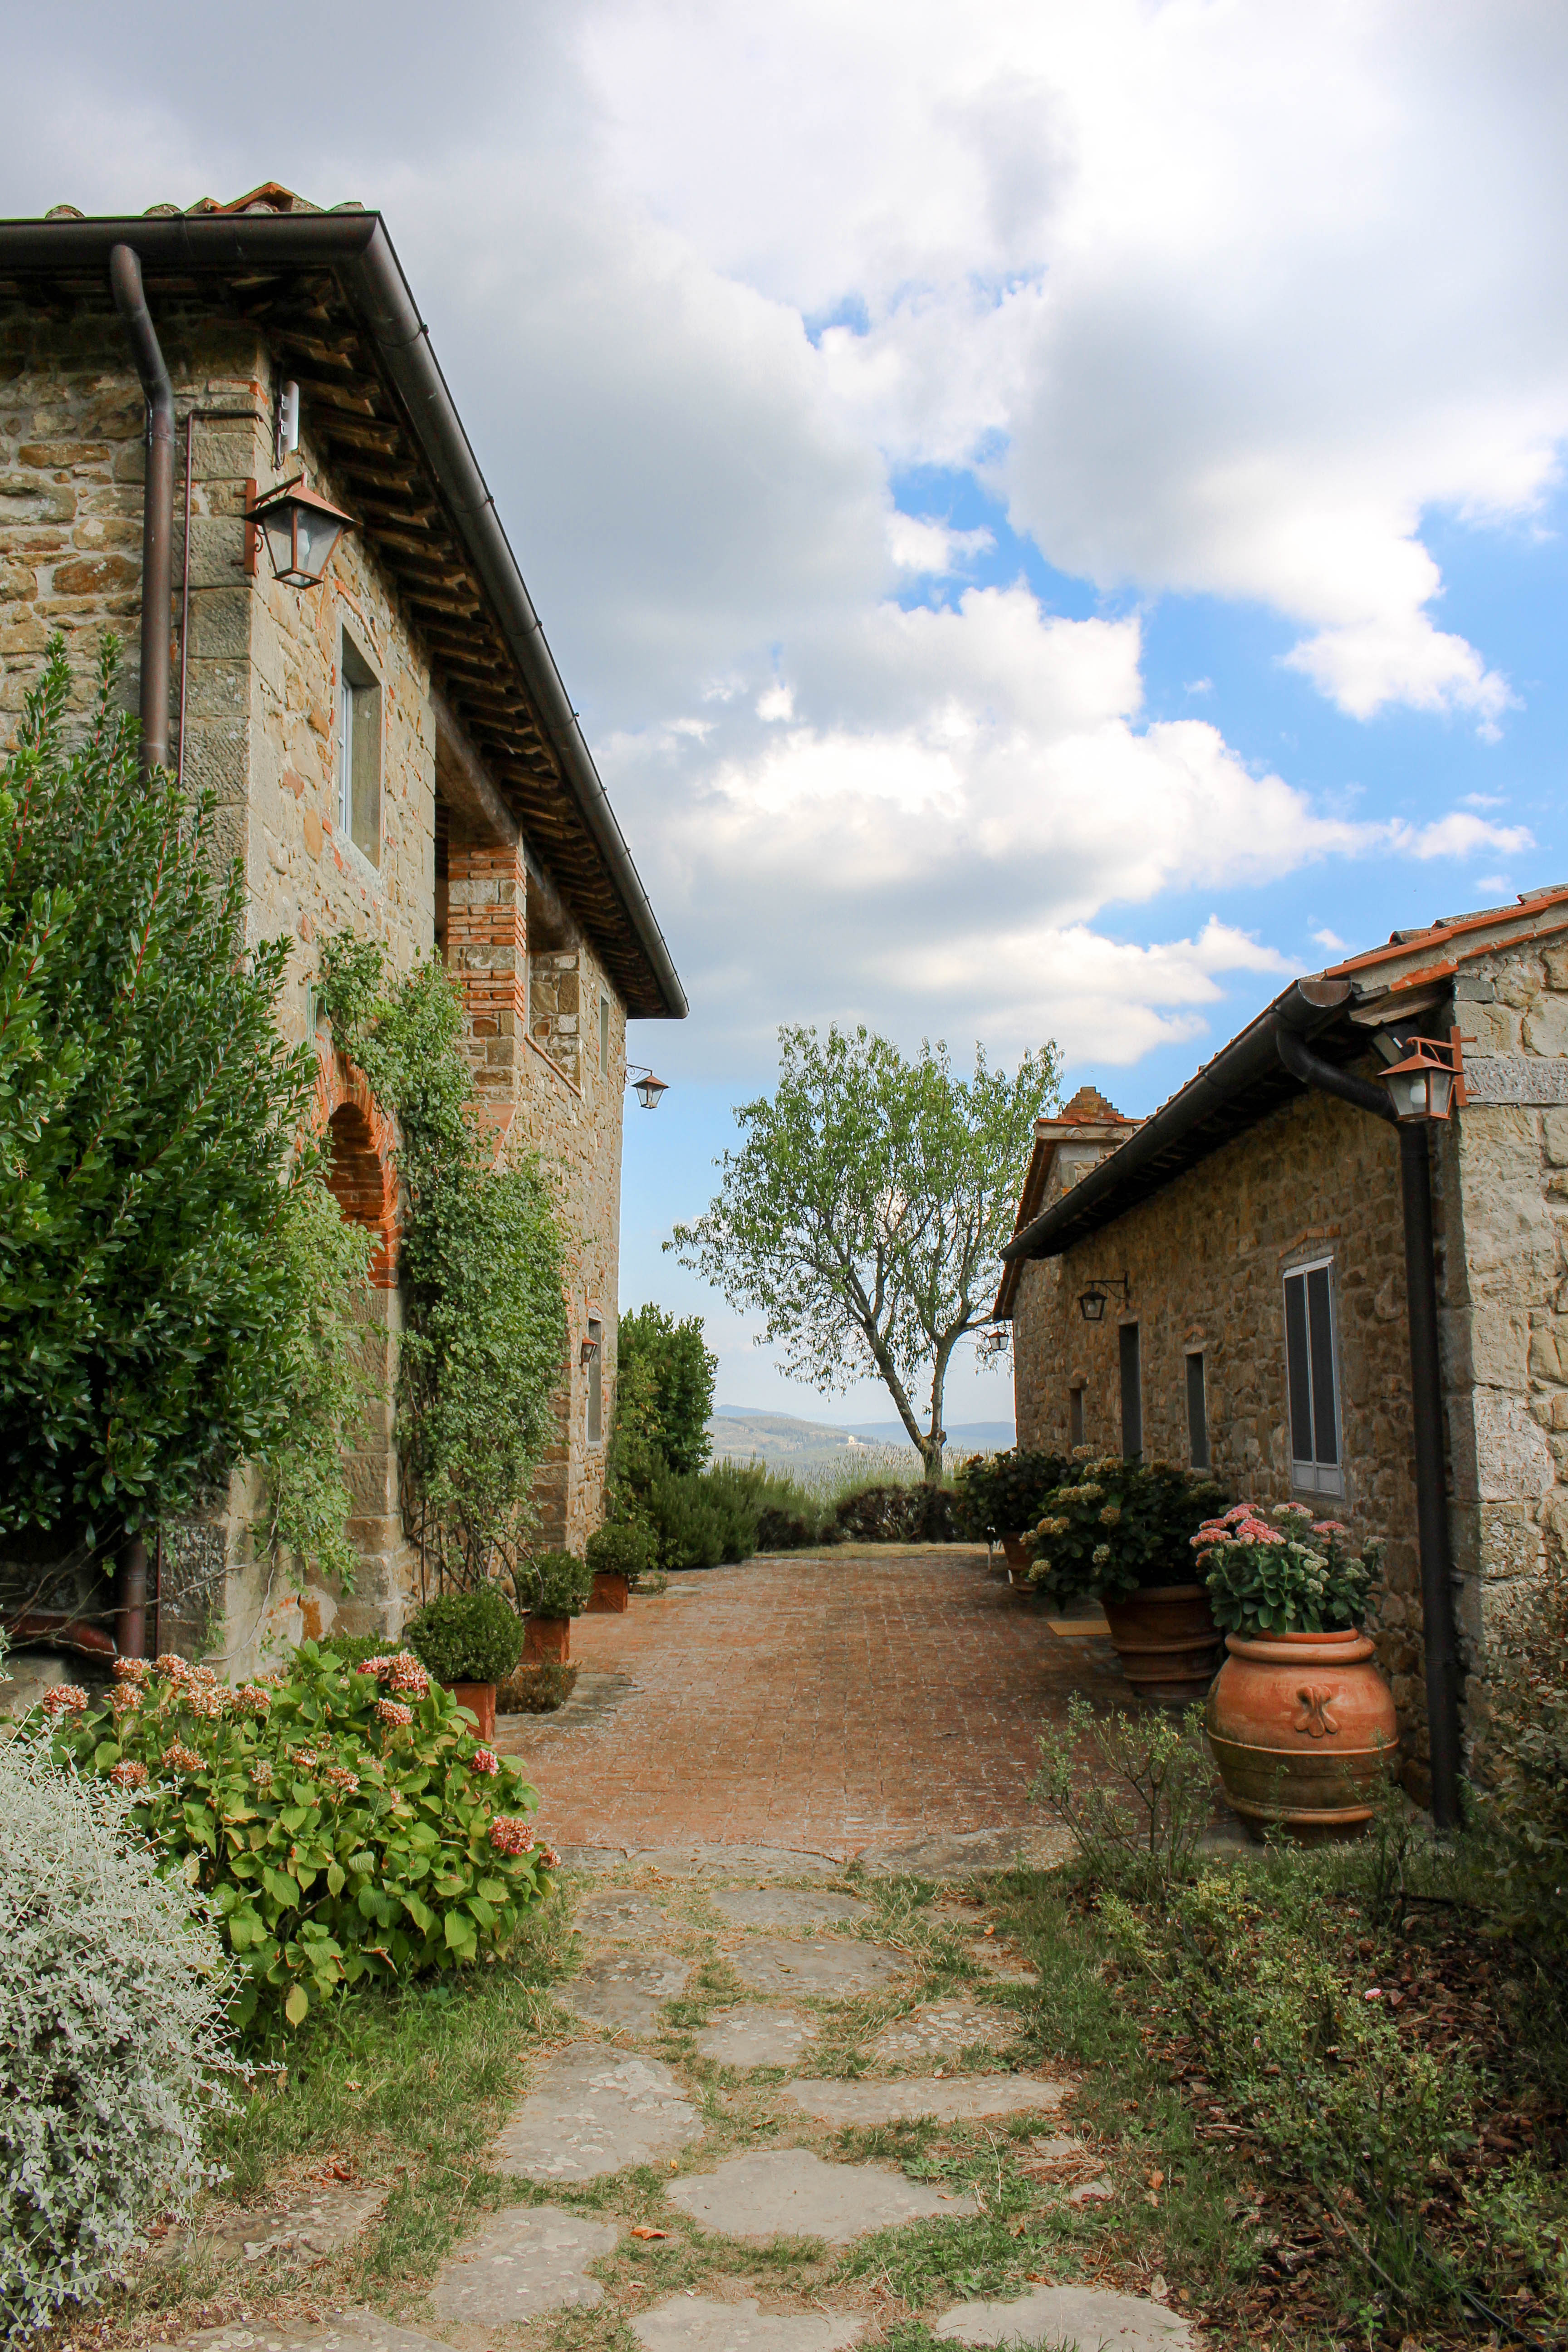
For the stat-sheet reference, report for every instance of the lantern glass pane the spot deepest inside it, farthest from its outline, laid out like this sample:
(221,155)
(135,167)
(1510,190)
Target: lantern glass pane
(1439,1092)
(277,522)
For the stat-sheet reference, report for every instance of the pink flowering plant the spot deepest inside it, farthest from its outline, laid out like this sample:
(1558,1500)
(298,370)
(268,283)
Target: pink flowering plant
(1282,1571)
(343,1821)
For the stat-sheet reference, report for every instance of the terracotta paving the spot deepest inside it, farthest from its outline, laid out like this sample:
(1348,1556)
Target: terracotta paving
(820,1703)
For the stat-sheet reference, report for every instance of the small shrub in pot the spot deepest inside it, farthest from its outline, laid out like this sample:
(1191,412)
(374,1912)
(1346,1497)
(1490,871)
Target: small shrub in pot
(1118,1527)
(555,1584)
(466,1637)
(1295,1576)
(623,1548)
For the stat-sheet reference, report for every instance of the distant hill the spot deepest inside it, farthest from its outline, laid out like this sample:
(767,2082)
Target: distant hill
(783,1441)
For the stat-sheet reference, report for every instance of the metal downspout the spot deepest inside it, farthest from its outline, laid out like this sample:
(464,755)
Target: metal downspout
(1440,1635)
(157,504)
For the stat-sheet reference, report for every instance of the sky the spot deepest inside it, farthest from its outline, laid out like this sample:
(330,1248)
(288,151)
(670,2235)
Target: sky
(1052,516)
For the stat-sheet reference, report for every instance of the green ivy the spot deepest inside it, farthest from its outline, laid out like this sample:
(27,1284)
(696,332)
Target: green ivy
(481,1263)
(307,1498)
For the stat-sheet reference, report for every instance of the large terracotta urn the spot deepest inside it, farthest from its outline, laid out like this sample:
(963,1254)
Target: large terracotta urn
(1303,1729)
(479,1699)
(1167,1641)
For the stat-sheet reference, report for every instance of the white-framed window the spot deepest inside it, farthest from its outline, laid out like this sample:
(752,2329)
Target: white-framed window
(1311,1372)
(1197,1410)
(359,749)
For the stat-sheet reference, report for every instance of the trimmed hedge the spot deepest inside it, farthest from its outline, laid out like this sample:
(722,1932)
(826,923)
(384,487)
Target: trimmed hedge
(466,1637)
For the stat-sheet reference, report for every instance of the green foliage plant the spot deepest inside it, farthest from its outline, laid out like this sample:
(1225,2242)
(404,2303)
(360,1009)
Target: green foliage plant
(664,1373)
(481,1263)
(1520,1810)
(342,1824)
(554,1584)
(622,1548)
(150,1113)
(1115,1526)
(1134,1792)
(864,1215)
(899,1513)
(114,2047)
(308,1500)
(1297,1575)
(1006,1494)
(466,1637)
(701,1521)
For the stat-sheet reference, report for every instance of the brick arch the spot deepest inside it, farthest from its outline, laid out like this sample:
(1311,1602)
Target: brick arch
(361,1175)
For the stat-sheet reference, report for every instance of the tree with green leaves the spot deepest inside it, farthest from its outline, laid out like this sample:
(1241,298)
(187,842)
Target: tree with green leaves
(153,1283)
(865,1212)
(664,1394)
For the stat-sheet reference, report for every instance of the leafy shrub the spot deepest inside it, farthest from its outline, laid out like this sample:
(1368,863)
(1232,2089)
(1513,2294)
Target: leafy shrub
(146,1342)
(625,1547)
(698,1522)
(898,1513)
(1522,1813)
(1117,1526)
(1299,1576)
(1136,1815)
(112,2038)
(308,1500)
(555,1584)
(536,1690)
(997,1494)
(788,1518)
(345,1826)
(466,1637)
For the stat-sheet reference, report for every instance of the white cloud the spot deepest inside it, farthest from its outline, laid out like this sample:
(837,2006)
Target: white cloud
(1332,941)
(775,703)
(921,546)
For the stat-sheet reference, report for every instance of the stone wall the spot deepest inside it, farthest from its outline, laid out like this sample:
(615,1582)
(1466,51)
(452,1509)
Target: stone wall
(1508,1331)
(1206,1259)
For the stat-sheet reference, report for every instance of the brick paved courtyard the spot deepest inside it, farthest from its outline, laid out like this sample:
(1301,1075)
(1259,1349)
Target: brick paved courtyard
(823,1703)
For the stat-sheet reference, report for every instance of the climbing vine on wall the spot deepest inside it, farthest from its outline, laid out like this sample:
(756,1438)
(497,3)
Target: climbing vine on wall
(481,1261)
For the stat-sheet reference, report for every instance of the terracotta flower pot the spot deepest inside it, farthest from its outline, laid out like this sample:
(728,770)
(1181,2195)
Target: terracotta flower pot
(481,1699)
(1302,1728)
(612,1592)
(1018,1559)
(1167,1641)
(547,1641)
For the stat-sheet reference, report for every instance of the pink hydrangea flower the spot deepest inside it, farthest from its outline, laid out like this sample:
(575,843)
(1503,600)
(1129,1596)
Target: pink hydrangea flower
(132,1670)
(124,1698)
(250,1699)
(1329,1528)
(509,1833)
(550,1858)
(66,1698)
(400,1670)
(129,1774)
(390,1712)
(339,1776)
(181,1759)
(484,1759)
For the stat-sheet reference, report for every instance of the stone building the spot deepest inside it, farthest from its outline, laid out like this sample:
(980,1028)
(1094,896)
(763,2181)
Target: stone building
(1228,1282)
(392,751)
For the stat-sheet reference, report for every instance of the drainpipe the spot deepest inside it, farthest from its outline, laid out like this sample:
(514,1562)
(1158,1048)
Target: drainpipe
(157,504)
(1440,1638)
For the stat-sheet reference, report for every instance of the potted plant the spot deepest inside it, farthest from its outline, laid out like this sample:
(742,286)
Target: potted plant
(999,1497)
(554,1586)
(617,1555)
(1120,1532)
(1300,1721)
(469,1642)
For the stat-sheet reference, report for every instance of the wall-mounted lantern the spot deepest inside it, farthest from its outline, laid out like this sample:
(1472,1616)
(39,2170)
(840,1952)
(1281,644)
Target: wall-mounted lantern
(302,531)
(648,1087)
(1430,1079)
(1091,1302)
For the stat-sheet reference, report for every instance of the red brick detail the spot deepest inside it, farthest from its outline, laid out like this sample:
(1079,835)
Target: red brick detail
(487,954)
(361,1174)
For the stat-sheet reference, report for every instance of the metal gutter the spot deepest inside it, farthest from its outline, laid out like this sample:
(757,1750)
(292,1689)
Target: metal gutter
(357,248)
(1300,1009)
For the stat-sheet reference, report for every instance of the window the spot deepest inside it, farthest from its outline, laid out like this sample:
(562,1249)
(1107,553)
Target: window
(604,1034)
(1197,1413)
(595,1381)
(358,751)
(1132,1395)
(1075,1417)
(1314,1389)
